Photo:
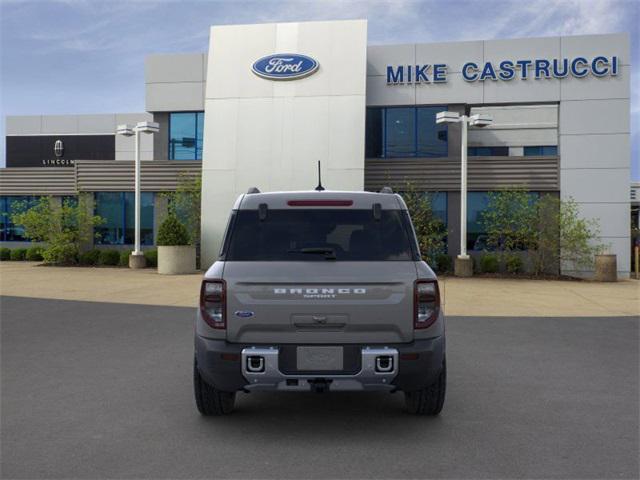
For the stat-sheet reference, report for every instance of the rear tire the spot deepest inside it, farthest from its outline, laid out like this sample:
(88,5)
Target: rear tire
(209,400)
(429,400)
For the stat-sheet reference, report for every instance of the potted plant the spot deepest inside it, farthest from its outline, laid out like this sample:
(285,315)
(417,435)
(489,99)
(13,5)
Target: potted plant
(175,254)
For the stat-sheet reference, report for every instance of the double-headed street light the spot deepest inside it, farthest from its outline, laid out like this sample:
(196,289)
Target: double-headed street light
(136,259)
(463,264)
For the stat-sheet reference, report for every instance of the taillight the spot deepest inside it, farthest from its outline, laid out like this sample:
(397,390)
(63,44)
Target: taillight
(426,303)
(213,303)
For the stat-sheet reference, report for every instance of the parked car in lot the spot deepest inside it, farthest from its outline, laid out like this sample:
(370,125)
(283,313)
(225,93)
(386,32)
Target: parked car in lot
(320,291)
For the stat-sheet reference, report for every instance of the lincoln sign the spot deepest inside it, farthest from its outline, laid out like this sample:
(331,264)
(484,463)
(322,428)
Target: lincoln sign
(506,70)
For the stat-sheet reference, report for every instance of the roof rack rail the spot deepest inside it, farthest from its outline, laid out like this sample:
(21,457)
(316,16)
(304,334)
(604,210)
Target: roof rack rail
(386,190)
(253,190)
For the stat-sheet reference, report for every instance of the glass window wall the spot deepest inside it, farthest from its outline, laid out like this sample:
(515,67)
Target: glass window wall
(117,209)
(185,135)
(397,132)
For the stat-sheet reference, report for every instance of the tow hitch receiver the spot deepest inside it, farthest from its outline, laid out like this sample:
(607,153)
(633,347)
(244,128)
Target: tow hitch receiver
(319,385)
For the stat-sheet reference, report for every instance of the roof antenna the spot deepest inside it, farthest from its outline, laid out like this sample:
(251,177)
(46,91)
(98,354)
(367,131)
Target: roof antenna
(319,188)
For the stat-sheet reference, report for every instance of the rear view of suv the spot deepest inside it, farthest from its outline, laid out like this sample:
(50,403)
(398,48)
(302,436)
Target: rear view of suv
(319,291)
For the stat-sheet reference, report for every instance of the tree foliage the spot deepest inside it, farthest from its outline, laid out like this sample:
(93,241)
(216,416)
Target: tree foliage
(63,227)
(184,203)
(172,232)
(550,228)
(510,220)
(431,231)
(577,237)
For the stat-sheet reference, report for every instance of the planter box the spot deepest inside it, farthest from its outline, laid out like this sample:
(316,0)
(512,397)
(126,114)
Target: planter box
(176,260)
(606,268)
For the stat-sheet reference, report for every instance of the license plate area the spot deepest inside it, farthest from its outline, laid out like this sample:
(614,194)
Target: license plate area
(319,359)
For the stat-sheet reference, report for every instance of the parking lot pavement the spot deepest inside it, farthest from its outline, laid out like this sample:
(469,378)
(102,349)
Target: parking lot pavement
(103,390)
(476,296)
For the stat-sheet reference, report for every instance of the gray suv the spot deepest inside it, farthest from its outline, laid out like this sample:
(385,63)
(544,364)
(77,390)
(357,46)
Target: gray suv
(319,291)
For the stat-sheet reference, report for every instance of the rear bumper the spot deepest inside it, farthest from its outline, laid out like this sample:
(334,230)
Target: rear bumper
(224,365)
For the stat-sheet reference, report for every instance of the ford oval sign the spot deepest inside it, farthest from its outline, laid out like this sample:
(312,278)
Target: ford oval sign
(285,66)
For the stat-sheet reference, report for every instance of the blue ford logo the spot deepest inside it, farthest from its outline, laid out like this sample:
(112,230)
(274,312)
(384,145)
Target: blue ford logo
(244,314)
(285,66)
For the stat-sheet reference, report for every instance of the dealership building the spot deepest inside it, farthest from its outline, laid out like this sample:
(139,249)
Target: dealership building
(267,101)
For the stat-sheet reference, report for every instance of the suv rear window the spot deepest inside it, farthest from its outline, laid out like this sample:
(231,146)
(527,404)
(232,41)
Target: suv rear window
(319,235)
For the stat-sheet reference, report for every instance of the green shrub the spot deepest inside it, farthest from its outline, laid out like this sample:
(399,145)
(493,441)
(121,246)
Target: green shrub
(172,232)
(90,257)
(152,258)
(513,264)
(489,263)
(18,254)
(124,258)
(63,227)
(34,254)
(109,257)
(443,263)
(61,254)
(5,254)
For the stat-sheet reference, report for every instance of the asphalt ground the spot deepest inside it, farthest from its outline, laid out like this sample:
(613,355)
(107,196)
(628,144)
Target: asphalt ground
(103,390)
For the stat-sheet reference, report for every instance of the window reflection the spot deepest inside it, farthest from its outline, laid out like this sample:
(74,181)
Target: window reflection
(185,135)
(118,211)
(405,132)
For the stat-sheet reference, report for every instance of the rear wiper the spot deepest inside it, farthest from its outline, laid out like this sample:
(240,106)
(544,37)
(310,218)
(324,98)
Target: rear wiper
(328,253)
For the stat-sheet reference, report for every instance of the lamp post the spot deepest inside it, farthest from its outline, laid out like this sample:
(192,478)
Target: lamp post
(463,263)
(136,259)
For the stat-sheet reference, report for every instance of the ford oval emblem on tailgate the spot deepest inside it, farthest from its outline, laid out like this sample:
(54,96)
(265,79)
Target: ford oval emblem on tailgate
(284,66)
(243,314)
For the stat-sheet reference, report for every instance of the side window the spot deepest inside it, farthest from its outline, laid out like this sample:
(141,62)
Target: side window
(411,233)
(227,233)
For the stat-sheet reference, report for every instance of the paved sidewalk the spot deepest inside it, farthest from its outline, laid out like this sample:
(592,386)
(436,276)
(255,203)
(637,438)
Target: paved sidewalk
(465,297)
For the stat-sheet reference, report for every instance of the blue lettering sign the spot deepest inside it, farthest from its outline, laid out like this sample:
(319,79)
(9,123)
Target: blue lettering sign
(557,73)
(420,75)
(524,68)
(507,71)
(614,66)
(579,67)
(542,69)
(600,66)
(397,76)
(488,72)
(466,68)
(439,73)
(285,66)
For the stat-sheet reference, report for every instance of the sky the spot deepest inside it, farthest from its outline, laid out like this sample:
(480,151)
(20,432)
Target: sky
(87,56)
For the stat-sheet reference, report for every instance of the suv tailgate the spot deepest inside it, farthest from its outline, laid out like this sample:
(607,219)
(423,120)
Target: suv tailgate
(320,302)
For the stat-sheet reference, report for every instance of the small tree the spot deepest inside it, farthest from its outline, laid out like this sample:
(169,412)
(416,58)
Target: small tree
(172,232)
(430,230)
(64,228)
(563,237)
(545,256)
(184,203)
(510,220)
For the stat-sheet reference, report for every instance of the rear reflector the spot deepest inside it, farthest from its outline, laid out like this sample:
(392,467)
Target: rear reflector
(320,203)
(233,357)
(409,356)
